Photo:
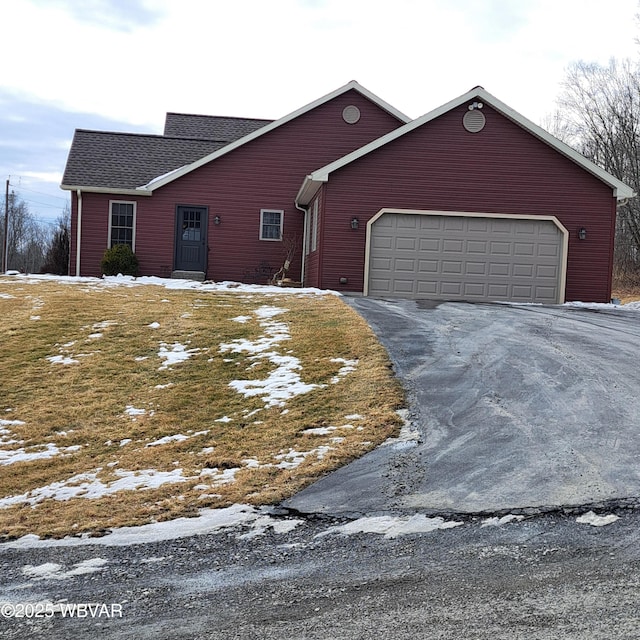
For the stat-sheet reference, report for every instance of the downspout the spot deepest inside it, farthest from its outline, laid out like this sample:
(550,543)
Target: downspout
(78,231)
(304,210)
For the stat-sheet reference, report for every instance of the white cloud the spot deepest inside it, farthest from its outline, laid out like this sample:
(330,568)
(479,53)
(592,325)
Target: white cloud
(131,62)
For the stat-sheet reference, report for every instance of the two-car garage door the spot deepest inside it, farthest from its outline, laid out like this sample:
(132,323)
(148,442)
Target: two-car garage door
(466,257)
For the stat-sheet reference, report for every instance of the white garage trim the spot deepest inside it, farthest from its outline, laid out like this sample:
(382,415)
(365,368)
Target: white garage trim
(471,214)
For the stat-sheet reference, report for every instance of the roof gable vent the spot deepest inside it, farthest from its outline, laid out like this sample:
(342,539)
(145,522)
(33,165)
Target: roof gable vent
(351,114)
(473,121)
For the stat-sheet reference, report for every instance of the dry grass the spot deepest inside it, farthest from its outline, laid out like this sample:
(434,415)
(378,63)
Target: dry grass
(626,287)
(80,408)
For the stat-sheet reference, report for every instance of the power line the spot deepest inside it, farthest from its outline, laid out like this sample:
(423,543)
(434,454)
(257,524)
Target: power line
(42,193)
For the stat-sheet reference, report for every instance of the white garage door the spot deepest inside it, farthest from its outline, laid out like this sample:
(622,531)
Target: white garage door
(458,257)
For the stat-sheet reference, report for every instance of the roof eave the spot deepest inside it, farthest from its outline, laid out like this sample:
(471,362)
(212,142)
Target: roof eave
(109,190)
(621,191)
(278,123)
(308,190)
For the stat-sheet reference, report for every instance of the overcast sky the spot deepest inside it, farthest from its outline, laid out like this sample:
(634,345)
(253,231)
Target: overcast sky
(122,64)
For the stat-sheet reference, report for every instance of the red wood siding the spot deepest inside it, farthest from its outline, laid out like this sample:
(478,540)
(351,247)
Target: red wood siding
(263,174)
(502,169)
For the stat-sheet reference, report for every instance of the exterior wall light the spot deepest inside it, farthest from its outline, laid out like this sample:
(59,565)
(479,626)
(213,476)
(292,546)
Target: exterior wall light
(217,220)
(355,223)
(582,233)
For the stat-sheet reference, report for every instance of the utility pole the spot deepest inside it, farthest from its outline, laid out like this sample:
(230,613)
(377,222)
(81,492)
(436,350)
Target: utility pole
(6,228)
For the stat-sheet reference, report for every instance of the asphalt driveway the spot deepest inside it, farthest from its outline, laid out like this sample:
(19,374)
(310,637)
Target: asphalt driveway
(510,406)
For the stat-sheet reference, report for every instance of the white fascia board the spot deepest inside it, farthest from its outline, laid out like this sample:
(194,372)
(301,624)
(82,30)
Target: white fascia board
(161,181)
(109,190)
(620,189)
(308,190)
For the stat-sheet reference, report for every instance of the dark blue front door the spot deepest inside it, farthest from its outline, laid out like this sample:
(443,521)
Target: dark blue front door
(191,239)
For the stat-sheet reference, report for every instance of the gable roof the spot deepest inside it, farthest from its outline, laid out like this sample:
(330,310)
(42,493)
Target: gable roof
(156,183)
(314,181)
(111,162)
(198,127)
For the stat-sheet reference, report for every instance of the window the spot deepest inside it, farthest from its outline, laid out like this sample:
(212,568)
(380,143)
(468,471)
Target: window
(271,224)
(122,223)
(314,226)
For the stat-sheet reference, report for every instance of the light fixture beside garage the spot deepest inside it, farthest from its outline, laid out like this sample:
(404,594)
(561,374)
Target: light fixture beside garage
(582,233)
(355,223)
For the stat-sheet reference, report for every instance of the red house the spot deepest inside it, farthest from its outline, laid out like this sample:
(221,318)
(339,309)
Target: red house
(470,202)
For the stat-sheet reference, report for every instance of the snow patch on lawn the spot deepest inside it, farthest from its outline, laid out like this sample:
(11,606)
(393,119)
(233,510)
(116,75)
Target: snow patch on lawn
(12,456)
(596,520)
(174,354)
(87,485)
(62,360)
(348,366)
(292,458)
(392,527)
(132,411)
(178,437)
(208,522)
(284,382)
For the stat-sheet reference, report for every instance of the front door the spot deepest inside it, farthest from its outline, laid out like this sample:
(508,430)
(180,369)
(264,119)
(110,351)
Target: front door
(191,239)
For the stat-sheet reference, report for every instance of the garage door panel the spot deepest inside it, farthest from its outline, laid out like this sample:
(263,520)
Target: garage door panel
(475,290)
(499,269)
(465,257)
(429,245)
(453,223)
(381,242)
(549,250)
(500,248)
(404,243)
(523,270)
(448,288)
(449,266)
(546,271)
(478,225)
(452,246)
(403,264)
(383,264)
(428,266)
(477,246)
(524,249)
(475,268)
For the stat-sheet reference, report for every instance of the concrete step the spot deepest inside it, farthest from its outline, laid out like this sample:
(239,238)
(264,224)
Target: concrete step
(188,275)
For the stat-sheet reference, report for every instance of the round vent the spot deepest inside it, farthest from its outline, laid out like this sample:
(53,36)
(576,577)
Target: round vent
(474,121)
(351,114)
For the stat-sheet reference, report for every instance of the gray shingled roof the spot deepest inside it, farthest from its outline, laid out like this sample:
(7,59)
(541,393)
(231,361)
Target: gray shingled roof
(102,159)
(183,125)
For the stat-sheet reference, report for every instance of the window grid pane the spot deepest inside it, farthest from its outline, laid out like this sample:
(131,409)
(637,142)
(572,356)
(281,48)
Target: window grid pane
(271,225)
(121,223)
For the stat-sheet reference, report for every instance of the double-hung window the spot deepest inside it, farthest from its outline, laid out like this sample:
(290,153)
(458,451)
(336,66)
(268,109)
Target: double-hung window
(122,223)
(271,222)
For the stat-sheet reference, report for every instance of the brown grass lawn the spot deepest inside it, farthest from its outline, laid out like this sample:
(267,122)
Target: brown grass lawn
(94,402)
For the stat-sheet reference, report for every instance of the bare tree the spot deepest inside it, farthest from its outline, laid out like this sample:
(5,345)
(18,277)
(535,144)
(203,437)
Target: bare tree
(27,240)
(599,115)
(56,260)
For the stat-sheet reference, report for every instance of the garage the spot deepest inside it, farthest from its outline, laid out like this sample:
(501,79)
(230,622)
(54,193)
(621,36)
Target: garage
(462,256)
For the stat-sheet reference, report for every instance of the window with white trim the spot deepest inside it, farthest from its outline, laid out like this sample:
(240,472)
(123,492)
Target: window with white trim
(122,223)
(271,223)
